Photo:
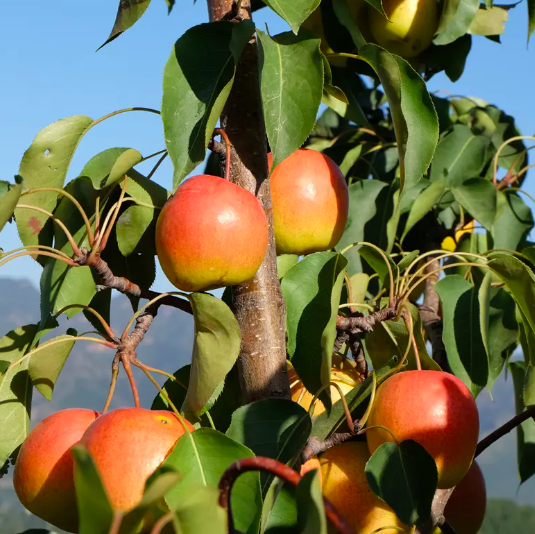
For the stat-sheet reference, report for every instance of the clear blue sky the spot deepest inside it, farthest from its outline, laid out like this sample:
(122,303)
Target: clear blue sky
(51,71)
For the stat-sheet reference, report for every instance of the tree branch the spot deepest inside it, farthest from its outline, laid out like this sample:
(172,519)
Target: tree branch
(437,514)
(504,429)
(432,322)
(125,286)
(258,304)
(365,324)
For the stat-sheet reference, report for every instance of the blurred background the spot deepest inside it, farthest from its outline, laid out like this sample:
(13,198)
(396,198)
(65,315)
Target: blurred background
(52,70)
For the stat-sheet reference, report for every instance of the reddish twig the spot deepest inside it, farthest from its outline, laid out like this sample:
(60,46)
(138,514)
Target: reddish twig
(161,523)
(114,375)
(284,473)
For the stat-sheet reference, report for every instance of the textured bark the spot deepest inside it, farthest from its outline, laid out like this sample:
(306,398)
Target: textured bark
(258,304)
(431,319)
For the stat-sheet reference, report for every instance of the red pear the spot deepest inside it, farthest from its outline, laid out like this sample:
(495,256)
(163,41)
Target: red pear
(310,202)
(127,445)
(43,476)
(211,233)
(433,408)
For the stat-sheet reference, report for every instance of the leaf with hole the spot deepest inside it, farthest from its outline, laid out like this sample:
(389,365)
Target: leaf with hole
(45,164)
(128,13)
(294,12)
(462,331)
(201,458)
(291,83)
(215,350)
(193,97)
(47,364)
(274,428)
(312,290)
(413,114)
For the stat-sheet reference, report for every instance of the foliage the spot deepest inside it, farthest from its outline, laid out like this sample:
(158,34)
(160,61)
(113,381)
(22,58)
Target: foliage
(434,184)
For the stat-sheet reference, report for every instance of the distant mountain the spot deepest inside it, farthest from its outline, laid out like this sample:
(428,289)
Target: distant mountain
(85,380)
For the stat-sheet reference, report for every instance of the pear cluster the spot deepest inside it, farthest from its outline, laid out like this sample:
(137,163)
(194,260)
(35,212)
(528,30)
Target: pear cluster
(126,445)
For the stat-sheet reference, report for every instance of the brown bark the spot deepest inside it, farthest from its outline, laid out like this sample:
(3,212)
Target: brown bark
(258,304)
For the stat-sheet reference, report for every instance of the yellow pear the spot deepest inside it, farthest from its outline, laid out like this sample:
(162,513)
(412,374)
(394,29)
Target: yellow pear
(409,29)
(345,485)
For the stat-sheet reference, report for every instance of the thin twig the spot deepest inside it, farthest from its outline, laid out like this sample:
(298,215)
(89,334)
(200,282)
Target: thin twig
(504,429)
(366,324)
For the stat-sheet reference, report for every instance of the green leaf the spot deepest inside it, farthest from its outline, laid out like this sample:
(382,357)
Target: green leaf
(529,386)
(101,303)
(489,21)
(525,432)
(135,226)
(502,331)
(291,82)
(460,155)
(531,18)
(46,366)
(457,16)
(312,290)
(145,190)
(423,204)
(310,510)
(128,13)
(346,18)
(512,223)
(202,457)
(405,477)
(104,168)
(368,209)
(282,517)
(45,164)
(478,197)
(462,331)
(156,487)
(8,202)
(413,114)
(285,262)
(215,350)
(274,428)
(94,510)
(519,278)
(62,285)
(193,97)
(199,511)
(294,12)
(391,338)
(15,389)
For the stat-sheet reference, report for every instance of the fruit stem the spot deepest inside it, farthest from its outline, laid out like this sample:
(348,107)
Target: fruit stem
(161,523)
(363,420)
(502,146)
(284,473)
(102,321)
(379,427)
(116,523)
(223,134)
(114,375)
(409,323)
(349,419)
(130,375)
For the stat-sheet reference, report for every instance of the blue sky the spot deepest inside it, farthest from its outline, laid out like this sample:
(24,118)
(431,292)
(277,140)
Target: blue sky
(51,71)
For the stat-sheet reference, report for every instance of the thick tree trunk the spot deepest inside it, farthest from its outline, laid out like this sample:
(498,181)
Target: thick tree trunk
(258,304)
